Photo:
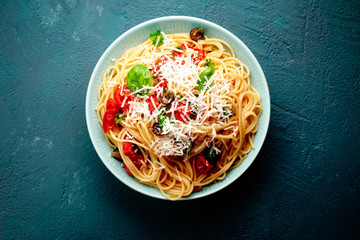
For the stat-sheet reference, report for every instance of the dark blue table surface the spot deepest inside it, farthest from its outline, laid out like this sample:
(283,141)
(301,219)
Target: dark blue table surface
(303,185)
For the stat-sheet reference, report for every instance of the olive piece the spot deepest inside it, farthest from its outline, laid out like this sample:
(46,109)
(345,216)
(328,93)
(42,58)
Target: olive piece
(157,129)
(116,154)
(168,97)
(193,115)
(197,34)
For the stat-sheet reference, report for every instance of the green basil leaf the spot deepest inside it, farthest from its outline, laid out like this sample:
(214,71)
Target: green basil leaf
(211,155)
(138,77)
(208,62)
(204,77)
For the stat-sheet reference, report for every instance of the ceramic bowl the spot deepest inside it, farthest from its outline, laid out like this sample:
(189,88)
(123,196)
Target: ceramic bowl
(137,35)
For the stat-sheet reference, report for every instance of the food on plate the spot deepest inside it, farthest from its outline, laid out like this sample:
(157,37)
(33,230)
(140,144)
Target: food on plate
(179,111)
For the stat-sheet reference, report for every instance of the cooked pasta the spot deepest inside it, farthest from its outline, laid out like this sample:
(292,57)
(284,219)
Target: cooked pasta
(179,112)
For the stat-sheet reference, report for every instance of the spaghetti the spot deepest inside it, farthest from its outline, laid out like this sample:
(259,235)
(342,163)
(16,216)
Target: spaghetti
(179,112)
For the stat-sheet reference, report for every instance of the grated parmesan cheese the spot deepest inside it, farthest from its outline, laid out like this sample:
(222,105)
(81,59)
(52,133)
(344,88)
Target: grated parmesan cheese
(182,75)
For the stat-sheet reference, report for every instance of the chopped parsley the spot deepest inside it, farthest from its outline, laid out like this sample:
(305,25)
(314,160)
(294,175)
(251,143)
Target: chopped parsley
(157,38)
(119,118)
(180,95)
(227,112)
(161,118)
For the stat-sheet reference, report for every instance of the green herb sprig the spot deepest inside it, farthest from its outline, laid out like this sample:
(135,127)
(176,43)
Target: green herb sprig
(157,38)
(119,118)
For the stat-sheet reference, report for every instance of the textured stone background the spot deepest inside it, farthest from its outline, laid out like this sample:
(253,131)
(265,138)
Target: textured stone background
(303,185)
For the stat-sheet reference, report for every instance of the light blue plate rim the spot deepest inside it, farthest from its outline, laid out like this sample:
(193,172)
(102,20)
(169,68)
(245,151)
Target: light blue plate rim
(257,78)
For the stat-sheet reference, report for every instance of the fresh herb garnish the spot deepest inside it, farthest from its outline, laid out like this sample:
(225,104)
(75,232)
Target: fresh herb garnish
(208,62)
(180,95)
(163,108)
(205,77)
(227,113)
(211,155)
(119,118)
(138,77)
(157,38)
(161,118)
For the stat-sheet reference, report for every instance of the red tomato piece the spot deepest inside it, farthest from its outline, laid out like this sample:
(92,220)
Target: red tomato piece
(185,47)
(176,157)
(162,84)
(112,106)
(108,121)
(123,97)
(197,56)
(123,91)
(162,60)
(134,154)
(177,53)
(202,165)
(136,163)
(158,74)
(156,69)
(139,163)
(128,171)
(182,113)
(151,101)
(125,105)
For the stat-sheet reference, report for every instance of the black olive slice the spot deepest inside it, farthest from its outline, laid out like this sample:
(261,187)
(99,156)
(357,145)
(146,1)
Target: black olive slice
(157,130)
(168,97)
(197,34)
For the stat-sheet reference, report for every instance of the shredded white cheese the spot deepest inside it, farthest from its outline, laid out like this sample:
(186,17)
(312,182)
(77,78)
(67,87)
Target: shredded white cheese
(182,76)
